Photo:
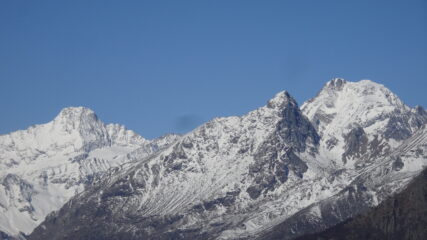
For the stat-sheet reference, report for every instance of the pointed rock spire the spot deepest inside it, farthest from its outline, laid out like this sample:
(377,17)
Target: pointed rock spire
(281,100)
(81,123)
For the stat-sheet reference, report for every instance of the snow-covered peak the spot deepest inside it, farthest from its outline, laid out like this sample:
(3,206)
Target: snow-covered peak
(362,115)
(363,91)
(77,125)
(45,165)
(76,114)
(282,99)
(347,103)
(71,118)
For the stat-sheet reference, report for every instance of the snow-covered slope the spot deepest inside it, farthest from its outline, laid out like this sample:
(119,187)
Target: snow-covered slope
(44,166)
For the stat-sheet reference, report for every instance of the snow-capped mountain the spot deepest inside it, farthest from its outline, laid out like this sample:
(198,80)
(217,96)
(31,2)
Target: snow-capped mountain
(368,133)
(229,174)
(360,122)
(42,167)
(274,170)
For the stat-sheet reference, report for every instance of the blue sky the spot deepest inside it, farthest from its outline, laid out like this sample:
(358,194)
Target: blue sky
(167,66)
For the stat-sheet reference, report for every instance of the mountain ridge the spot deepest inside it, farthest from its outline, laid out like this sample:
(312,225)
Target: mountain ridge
(246,167)
(351,146)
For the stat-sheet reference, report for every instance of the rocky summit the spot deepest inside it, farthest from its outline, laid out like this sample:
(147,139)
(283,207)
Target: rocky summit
(278,172)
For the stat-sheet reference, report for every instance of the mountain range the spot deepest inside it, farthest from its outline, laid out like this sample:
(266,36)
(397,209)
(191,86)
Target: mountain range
(278,172)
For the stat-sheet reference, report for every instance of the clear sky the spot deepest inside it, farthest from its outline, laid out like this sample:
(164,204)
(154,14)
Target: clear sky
(167,66)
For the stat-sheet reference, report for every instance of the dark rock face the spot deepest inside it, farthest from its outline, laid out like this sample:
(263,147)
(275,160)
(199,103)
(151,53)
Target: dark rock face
(24,195)
(276,157)
(5,236)
(403,216)
(398,164)
(356,144)
(376,148)
(400,124)
(295,129)
(225,201)
(290,161)
(398,128)
(26,188)
(336,84)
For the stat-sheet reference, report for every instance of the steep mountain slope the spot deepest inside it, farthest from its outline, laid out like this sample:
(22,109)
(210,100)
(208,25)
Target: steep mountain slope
(403,216)
(381,163)
(272,172)
(44,166)
(373,185)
